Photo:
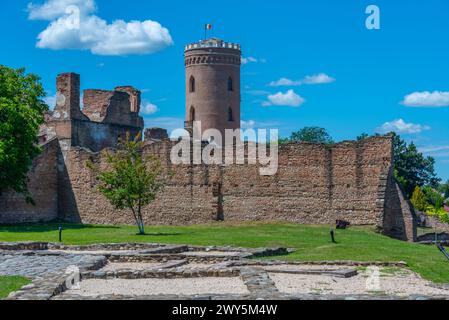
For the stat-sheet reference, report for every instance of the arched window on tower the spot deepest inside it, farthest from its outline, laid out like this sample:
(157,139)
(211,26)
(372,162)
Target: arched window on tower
(230,84)
(192,84)
(230,115)
(192,114)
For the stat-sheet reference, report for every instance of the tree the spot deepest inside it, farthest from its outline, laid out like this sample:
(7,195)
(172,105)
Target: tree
(433,197)
(363,136)
(312,134)
(444,189)
(21,114)
(132,180)
(419,200)
(411,168)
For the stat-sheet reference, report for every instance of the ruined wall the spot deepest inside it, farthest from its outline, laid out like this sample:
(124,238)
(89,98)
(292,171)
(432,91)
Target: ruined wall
(315,184)
(399,219)
(106,115)
(43,186)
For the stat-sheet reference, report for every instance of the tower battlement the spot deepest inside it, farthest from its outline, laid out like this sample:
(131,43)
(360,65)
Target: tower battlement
(212,43)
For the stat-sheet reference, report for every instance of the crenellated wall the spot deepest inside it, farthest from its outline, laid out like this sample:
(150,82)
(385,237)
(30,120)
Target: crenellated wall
(315,184)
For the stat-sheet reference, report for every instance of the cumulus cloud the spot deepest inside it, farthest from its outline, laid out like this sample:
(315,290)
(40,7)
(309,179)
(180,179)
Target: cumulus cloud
(320,78)
(427,99)
(74,26)
(432,149)
(285,82)
(290,98)
(247,60)
(148,108)
(50,101)
(401,127)
(53,9)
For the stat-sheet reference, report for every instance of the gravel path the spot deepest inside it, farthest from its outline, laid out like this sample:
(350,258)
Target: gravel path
(187,286)
(401,283)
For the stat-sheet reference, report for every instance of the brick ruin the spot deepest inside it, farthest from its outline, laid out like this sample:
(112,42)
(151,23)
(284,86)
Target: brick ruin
(315,184)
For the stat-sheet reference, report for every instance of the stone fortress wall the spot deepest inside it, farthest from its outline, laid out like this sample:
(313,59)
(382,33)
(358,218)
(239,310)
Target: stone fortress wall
(315,184)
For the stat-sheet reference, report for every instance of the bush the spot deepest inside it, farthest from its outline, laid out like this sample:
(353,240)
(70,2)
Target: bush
(419,200)
(440,213)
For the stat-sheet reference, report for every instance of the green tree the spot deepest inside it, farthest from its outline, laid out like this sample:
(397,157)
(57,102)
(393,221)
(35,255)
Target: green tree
(444,189)
(411,168)
(132,180)
(311,134)
(433,197)
(419,200)
(363,136)
(21,113)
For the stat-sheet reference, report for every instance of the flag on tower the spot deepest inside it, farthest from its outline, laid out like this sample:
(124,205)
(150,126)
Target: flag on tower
(208,26)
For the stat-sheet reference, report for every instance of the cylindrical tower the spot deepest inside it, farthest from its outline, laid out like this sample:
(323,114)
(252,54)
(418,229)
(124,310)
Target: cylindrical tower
(213,84)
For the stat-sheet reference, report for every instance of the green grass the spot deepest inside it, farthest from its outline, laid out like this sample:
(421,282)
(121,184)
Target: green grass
(312,242)
(10,284)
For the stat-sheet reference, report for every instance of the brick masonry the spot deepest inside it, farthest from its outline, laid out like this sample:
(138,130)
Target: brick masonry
(315,184)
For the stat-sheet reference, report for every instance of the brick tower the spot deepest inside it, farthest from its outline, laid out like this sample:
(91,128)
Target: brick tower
(213,84)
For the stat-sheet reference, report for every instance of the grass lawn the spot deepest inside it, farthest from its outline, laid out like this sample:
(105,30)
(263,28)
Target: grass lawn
(312,242)
(10,284)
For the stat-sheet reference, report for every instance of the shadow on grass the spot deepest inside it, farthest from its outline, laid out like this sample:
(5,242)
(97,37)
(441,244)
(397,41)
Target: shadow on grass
(34,228)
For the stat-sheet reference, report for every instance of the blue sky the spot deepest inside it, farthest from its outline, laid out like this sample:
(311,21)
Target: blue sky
(341,75)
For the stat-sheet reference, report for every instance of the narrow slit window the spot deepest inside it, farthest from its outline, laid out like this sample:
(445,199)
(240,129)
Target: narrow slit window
(192,84)
(230,84)
(230,115)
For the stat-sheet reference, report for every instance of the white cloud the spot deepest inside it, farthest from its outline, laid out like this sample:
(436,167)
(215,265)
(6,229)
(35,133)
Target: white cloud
(400,126)
(290,98)
(285,82)
(50,101)
(53,9)
(435,151)
(82,30)
(250,124)
(247,60)
(427,99)
(432,149)
(320,78)
(148,108)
